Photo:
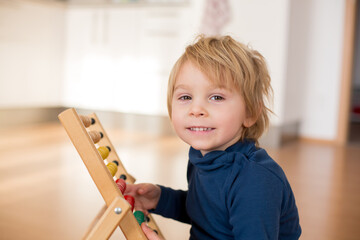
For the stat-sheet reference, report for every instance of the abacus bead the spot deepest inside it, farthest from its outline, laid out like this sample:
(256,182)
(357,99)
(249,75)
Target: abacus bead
(121,184)
(112,168)
(123,176)
(116,162)
(140,217)
(131,201)
(104,152)
(92,121)
(95,136)
(85,120)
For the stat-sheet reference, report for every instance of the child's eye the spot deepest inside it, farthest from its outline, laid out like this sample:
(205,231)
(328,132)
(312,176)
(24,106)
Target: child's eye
(216,98)
(185,97)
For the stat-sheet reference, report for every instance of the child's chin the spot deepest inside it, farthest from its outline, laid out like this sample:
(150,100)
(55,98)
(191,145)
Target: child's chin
(202,148)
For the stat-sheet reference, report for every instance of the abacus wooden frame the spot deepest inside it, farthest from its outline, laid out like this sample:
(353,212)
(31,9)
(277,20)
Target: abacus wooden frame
(107,219)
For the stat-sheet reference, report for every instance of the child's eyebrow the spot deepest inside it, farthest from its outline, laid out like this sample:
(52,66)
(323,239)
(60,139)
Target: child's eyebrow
(214,87)
(180,86)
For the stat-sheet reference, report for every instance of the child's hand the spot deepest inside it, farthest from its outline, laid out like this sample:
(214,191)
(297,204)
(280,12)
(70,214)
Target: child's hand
(146,196)
(150,234)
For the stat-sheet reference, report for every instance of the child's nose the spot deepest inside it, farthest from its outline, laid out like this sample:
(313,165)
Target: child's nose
(197,110)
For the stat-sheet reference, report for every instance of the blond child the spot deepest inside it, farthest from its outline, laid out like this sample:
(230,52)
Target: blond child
(217,96)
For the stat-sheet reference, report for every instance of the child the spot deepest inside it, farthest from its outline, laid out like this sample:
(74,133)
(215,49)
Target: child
(216,102)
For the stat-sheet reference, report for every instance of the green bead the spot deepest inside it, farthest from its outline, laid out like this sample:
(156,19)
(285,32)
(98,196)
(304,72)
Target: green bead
(140,217)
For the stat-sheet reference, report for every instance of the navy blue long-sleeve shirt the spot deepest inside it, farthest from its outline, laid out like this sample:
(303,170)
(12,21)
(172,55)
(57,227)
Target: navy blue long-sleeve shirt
(239,193)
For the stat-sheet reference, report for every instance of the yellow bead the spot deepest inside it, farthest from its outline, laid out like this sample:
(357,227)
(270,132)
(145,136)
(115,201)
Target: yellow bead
(112,168)
(104,152)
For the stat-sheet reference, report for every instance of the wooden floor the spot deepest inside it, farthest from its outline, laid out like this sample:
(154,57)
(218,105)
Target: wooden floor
(46,192)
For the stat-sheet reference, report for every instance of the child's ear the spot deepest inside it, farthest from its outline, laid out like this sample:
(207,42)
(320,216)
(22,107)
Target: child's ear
(251,120)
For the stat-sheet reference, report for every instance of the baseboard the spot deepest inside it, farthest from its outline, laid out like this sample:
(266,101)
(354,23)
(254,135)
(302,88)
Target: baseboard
(278,136)
(13,117)
(318,141)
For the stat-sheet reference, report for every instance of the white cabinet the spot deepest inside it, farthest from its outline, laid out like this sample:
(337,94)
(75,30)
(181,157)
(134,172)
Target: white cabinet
(85,76)
(120,58)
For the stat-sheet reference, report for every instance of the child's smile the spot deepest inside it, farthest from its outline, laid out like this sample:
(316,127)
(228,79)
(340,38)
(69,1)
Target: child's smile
(204,115)
(200,130)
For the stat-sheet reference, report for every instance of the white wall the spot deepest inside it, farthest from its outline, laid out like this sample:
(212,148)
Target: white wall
(31,53)
(297,60)
(322,75)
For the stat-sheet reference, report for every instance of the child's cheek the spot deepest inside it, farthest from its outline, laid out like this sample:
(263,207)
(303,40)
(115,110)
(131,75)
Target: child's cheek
(175,120)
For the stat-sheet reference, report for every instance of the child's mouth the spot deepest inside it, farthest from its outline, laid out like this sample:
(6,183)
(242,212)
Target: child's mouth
(200,129)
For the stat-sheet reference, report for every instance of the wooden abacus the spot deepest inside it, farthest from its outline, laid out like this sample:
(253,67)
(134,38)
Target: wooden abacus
(86,133)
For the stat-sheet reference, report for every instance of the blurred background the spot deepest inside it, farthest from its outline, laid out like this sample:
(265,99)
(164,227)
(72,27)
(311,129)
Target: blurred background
(113,57)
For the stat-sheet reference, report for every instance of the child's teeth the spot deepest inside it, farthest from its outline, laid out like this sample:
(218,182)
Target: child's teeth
(200,129)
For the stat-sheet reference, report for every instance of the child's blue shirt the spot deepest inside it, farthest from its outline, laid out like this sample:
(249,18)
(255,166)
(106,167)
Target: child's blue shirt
(239,193)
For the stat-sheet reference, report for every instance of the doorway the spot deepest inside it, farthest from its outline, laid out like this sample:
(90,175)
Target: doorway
(351,54)
(354,118)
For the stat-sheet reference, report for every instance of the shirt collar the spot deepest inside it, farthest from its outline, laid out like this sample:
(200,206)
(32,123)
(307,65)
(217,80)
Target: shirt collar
(216,159)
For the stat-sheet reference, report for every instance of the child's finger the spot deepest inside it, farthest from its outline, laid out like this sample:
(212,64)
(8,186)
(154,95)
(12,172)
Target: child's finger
(150,234)
(143,189)
(130,188)
(133,189)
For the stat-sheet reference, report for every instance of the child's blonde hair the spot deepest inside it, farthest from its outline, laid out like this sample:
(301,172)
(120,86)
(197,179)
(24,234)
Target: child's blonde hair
(232,65)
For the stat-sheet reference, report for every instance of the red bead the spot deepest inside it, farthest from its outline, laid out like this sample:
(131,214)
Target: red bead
(121,184)
(130,200)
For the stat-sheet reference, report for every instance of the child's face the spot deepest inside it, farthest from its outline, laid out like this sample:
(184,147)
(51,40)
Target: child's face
(205,116)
